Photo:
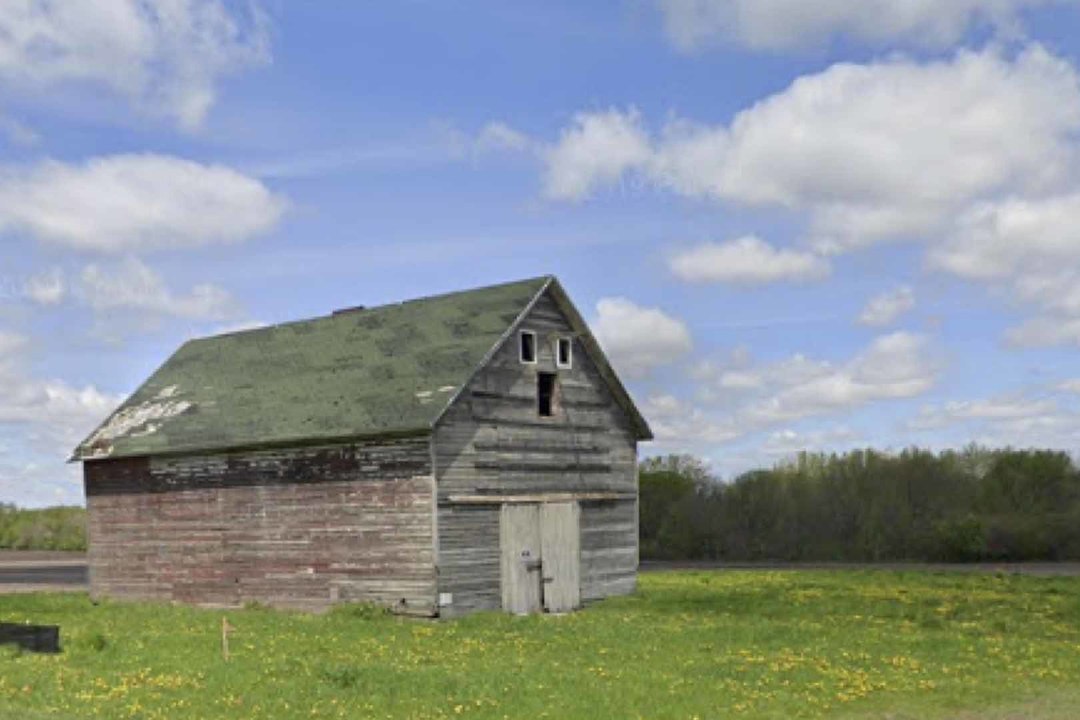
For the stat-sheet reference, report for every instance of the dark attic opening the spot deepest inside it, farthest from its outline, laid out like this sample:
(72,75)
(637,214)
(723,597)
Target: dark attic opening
(545,393)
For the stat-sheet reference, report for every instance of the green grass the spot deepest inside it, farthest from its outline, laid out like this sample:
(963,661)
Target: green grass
(696,644)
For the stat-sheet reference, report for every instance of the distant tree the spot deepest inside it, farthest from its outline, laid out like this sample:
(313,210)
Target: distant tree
(866,505)
(55,528)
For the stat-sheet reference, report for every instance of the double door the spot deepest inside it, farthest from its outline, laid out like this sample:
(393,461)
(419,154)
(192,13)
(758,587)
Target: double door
(541,557)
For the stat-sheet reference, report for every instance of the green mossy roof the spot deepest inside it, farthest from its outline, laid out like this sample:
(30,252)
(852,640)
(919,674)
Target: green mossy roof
(380,371)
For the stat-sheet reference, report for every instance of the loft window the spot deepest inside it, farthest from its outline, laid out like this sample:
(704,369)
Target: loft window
(528,346)
(563,352)
(545,393)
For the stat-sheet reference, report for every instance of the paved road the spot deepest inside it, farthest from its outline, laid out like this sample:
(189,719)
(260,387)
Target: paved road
(1065,569)
(29,571)
(25,571)
(47,575)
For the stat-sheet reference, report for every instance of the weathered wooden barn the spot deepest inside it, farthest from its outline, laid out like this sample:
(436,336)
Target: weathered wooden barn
(454,453)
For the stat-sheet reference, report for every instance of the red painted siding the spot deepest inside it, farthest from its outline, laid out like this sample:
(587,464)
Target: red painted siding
(299,527)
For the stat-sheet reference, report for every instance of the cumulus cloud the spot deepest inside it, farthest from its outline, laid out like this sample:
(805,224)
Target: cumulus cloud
(1023,419)
(872,152)
(167,57)
(1031,248)
(836,146)
(756,395)
(885,308)
(894,366)
(130,285)
(747,260)
(596,150)
(677,422)
(639,339)
(784,24)
(994,238)
(135,202)
(53,414)
(974,155)
(740,404)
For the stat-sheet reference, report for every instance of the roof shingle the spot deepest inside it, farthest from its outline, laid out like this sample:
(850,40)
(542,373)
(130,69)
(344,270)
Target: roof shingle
(385,370)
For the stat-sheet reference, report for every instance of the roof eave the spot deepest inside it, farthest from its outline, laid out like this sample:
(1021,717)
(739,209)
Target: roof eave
(307,441)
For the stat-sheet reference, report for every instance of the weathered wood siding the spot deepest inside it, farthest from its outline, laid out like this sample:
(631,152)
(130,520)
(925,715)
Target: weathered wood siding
(301,527)
(492,441)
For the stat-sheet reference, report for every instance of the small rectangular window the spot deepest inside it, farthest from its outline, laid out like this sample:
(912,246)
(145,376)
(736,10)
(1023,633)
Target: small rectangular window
(545,393)
(528,346)
(563,353)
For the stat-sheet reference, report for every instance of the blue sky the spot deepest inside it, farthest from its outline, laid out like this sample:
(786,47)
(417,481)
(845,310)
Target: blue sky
(792,225)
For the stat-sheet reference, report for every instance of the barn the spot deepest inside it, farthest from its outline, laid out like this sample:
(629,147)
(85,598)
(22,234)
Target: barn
(460,452)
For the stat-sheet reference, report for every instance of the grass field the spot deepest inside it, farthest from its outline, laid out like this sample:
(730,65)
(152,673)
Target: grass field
(861,644)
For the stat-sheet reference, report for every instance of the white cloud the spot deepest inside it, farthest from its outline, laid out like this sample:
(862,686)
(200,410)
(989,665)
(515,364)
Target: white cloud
(1072,386)
(994,409)
(783,24)
(894,366)
(639,339)
(760,411)
(883,309)
(1022,419)
(752,396)
(44,483)
(888,150)
(679,424)
(891,149)
(1043,331)
(975,155)
(47,288)
(1031,248)
(132,286)
(54,414)
(994,238)
(166,56)
(135,202)
(786,442)
(746,260)
(596,150)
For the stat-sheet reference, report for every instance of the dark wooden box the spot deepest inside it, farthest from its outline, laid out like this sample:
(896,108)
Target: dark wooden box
(35,638)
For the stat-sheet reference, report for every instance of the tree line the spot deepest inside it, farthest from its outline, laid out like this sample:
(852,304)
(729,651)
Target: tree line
(867,506)
(55,528)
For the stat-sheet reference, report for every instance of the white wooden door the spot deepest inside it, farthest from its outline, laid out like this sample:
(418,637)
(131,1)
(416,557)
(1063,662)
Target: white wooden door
(560,551)
(519,539)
